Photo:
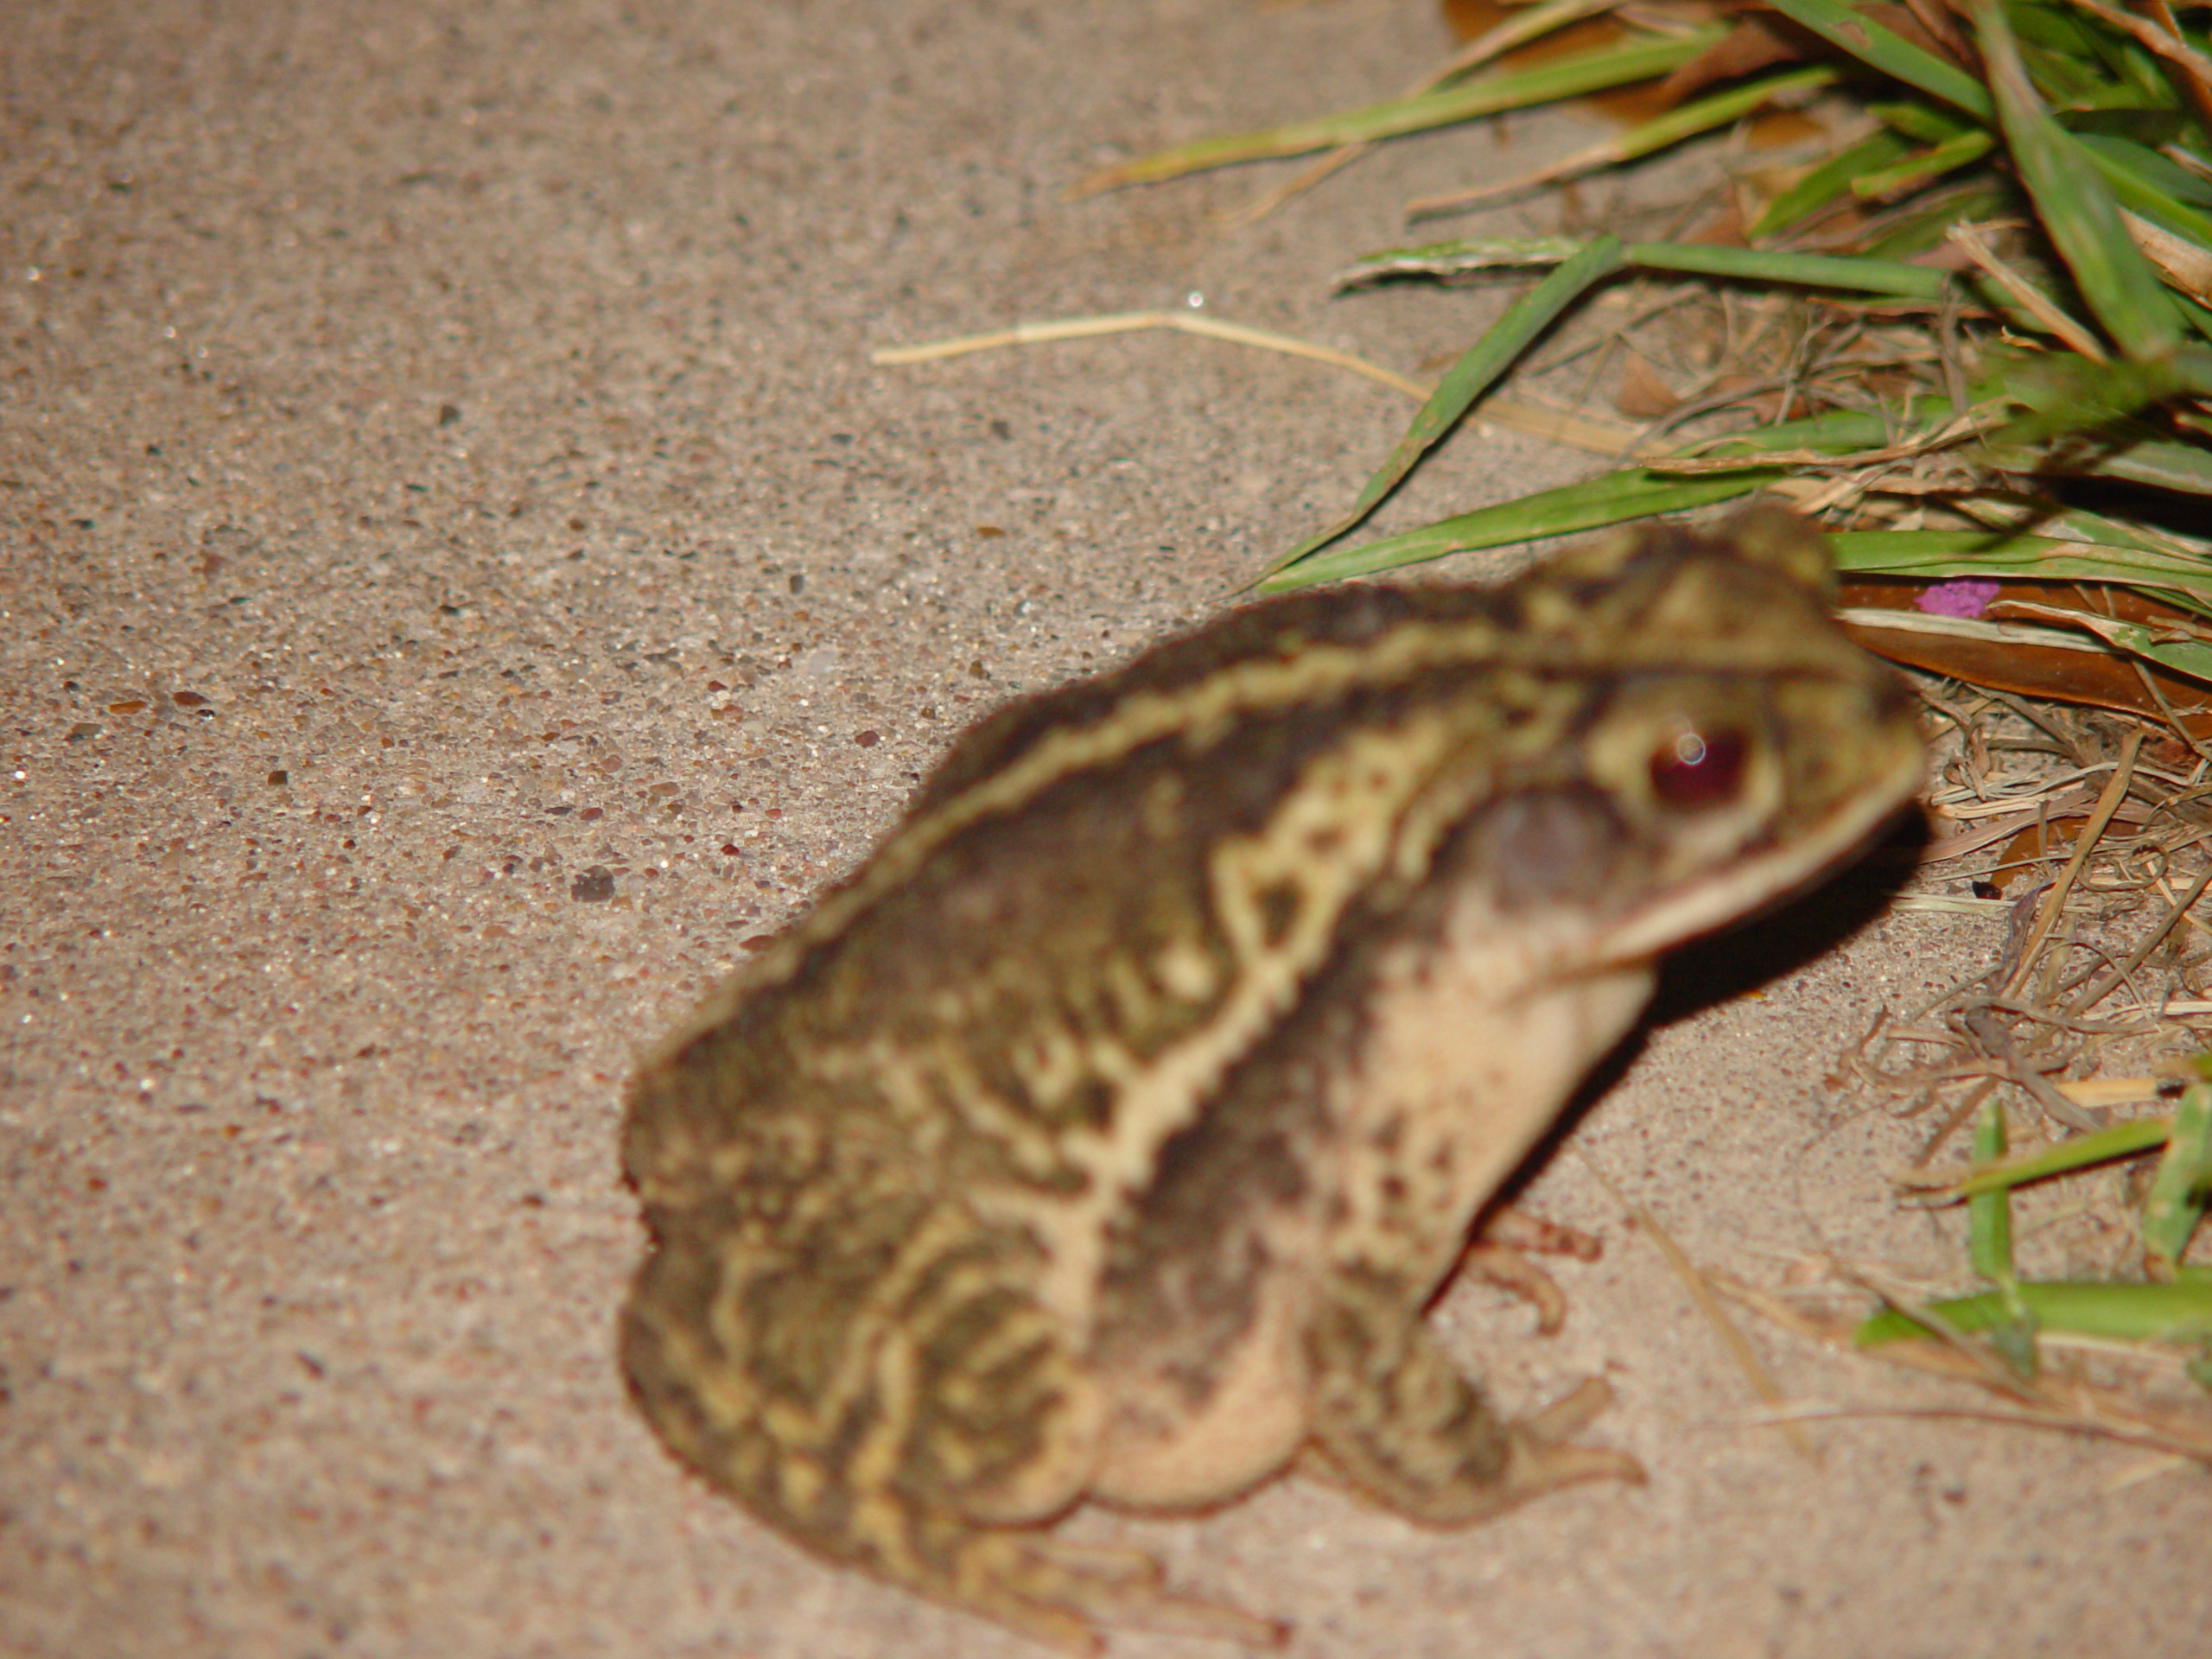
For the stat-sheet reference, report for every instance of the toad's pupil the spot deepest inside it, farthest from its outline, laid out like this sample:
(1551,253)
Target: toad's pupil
(1694,768)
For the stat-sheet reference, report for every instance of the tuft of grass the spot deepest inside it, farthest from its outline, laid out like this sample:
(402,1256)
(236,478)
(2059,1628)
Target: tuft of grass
(1998,269)
(2171,1309)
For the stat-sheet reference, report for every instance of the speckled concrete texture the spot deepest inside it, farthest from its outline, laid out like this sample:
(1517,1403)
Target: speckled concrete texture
(460,579)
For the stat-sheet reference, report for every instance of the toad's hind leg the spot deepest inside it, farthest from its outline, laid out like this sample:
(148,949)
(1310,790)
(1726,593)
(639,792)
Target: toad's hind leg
(927,1436)
(1395,1418)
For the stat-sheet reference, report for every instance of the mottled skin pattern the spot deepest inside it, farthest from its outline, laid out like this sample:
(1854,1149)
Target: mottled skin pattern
(1106,1135)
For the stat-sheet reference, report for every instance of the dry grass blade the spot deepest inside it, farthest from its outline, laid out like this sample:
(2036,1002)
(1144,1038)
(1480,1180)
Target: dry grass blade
(1125,322)
(1989,1030)
(2030,298)
(2186,265)
(2054,900)
(1699,1284)
(2111,979)
(1558,426)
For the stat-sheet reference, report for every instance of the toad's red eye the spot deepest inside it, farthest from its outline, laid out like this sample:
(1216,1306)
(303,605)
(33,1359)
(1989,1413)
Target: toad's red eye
(1694,768)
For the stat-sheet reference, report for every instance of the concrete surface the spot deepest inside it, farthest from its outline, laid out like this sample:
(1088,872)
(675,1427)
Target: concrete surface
(460,579)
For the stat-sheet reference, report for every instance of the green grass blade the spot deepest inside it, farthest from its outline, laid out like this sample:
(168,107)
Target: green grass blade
(1891,53)
(2179,1313)
(2153,461)
(2078,525)
(1611,499)
(1946,157)
(1619,65)
(2190,656)
(2064,394)
(2127,1139)
(1848,271)
(1838,431)
(1683,121)
(2127,158)
(2056,30)
(2081,63)
(1930,124)
(1922,224)
(2183,1185)
(2080,419)
(1460,256)
(1470,377)
(1891,277)
(1829,182)
(2066,69)
(1989,1248)
(1707,113)
(1942,554)
(1989,1212)
(2142,180)
(2077,209)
